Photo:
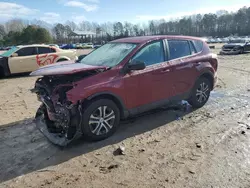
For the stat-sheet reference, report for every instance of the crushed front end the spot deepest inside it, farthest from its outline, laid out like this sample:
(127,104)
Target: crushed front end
(230,50)
(57,118)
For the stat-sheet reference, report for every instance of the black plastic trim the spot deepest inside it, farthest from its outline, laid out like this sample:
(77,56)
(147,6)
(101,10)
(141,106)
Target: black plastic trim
(158,104)
(5,65)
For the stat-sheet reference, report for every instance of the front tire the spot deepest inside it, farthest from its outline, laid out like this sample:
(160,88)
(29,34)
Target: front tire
(242,51)
(200,93)
(100,119)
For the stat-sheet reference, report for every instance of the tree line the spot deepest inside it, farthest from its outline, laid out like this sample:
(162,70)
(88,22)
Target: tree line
(30,34)
(221,24)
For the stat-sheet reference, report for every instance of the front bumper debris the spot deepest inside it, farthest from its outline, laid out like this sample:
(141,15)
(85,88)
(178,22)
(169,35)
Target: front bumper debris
(55,138)
(52,137)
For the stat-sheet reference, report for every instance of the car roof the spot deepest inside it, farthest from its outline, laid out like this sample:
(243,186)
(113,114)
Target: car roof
(144,39)
(34,45)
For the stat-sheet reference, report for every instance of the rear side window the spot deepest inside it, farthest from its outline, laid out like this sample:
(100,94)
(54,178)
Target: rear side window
(192,48)
(45,50)
(178,49)
(27,51)
(198,45)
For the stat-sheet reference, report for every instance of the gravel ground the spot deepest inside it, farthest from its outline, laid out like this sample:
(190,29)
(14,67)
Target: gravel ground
(206,148)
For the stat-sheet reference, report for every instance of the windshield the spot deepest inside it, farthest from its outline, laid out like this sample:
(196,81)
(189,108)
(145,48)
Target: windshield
(9,52)
(238,41)
(109,55)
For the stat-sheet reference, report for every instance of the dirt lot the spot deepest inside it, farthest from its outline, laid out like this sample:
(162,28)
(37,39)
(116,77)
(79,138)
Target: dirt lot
(207,148)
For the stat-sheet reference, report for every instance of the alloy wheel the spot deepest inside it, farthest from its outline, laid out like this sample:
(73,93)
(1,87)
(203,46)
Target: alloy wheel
(202,92)
(102,120)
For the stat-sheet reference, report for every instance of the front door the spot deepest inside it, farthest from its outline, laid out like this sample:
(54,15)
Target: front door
(24,62)
(152,85)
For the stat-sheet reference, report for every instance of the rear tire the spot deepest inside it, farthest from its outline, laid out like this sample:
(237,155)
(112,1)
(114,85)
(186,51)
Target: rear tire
(100,119)
(200,93)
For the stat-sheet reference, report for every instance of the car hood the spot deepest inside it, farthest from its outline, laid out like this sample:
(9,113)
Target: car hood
(233,44)
(66,67)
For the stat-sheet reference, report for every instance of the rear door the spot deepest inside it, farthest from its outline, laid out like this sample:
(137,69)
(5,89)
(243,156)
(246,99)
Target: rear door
(46,56)
(182,63)
(25,62)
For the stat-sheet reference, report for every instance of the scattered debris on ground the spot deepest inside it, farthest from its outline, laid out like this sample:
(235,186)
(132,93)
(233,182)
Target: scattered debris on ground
(108,169)
(198,145)
(119,151)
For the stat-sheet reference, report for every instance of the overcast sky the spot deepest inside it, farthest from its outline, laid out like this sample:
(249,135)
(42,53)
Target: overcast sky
(53,11)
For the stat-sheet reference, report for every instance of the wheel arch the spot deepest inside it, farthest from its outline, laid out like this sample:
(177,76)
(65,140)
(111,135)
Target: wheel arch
(108,95)
(62,58)
(209,75)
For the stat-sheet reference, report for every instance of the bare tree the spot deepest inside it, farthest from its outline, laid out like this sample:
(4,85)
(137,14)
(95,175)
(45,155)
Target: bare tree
(59,31)
(72,25)
(15,25)
(2,31)
(85,26)
(221,24)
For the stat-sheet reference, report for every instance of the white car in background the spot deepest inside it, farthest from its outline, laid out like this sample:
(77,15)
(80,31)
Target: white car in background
(88,45)
(225,40)
(218,40)
(22,59)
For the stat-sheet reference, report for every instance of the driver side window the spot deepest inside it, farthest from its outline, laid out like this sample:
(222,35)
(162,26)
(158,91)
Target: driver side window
(27,51)
(151,54)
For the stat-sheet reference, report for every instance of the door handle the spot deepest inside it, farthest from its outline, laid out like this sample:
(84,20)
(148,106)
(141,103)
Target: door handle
(165,70)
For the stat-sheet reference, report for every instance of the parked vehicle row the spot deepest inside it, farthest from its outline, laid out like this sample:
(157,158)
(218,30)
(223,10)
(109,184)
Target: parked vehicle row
(224,40)
(4,48)
(80,46)
(217,40)
(122,78)
(65,46)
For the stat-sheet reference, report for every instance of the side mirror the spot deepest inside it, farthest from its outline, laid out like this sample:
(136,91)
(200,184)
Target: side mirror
(14,55)
(136,65)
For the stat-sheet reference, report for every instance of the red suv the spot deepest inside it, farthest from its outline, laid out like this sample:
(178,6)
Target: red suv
(120,79)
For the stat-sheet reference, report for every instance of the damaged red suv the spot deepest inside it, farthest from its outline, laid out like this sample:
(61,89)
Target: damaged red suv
(120,79)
